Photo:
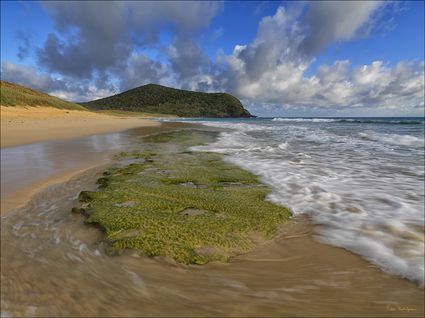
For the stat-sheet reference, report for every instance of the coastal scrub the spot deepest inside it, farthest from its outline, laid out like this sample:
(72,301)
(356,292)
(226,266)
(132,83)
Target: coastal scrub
(16,95)
(189,206)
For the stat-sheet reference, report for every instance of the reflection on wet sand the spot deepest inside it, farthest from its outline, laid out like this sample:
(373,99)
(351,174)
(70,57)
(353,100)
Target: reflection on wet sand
(25,168)
(29,168)
(55,265)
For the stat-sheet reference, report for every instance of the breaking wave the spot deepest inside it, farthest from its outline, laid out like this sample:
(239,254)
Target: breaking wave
(393,139)
(354,120)
(364,194)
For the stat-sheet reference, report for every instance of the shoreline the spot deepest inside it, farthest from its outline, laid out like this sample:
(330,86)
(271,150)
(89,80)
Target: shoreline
(66,161)
(209,207)
(26,125)
(22,197)
(274,279)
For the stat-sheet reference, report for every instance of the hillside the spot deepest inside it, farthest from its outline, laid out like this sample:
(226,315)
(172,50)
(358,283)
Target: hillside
(17,95)
(159,99)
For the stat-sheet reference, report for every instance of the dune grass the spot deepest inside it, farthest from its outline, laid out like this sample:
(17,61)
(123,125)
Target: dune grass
(16,95)
(189,206)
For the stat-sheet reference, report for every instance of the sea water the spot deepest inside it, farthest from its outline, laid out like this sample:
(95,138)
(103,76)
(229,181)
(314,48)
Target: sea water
(47,250)
(360,180)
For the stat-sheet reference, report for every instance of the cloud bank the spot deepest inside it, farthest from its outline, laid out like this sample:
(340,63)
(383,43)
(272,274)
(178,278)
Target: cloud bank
(273,71)
(98,49)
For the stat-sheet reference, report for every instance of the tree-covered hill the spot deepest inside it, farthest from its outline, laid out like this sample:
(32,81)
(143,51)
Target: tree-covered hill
(159,99)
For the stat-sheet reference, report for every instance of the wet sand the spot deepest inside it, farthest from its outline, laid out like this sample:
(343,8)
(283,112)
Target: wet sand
(46,250)
(26,125)
(19,197)
(28,169)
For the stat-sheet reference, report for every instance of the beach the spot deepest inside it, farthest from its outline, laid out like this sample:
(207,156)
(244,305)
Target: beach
(26,125)
(291,275)
(212,159)
(35,126)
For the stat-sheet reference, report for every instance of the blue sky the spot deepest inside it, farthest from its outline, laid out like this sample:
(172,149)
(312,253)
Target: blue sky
(280,58)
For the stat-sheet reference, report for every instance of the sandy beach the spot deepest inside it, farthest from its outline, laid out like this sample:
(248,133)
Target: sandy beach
(26,125)
(276,279)
(30,125)
(212,159)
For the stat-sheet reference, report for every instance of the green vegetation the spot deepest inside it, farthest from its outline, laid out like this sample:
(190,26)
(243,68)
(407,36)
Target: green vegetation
(165,100)
(190,206)
(16,95)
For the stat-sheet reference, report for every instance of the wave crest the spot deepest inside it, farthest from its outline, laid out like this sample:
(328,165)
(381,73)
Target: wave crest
(354,120)
(393,139)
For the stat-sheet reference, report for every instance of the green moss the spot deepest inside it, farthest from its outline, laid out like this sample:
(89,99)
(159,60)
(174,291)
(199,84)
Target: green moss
(144,205)
(136,155)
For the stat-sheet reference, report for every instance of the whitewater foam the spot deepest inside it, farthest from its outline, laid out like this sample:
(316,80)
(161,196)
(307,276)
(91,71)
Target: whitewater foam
(313,120)
(364,194)
(353,120)
(394,139)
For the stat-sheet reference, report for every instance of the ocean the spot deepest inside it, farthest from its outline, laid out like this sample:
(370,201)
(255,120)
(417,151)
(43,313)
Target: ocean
(359,180)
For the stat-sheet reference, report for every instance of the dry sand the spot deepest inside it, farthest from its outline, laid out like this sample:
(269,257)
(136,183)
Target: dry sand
(25,125)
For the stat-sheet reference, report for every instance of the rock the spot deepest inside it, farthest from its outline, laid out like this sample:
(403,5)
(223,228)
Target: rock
(206,250)
(84,212)
(193,185)
(126,204)
(188,184)
(192,212)
(102,182)
(85,196)
(76,210)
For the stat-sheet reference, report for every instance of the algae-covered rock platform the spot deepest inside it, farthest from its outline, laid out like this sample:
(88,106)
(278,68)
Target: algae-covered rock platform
(190,206)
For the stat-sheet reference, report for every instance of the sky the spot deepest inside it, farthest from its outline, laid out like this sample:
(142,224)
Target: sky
(319,58)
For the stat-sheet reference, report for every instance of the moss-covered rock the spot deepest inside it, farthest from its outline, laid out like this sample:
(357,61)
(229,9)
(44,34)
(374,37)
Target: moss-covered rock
(150,206)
